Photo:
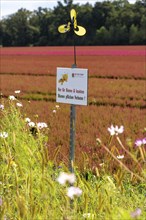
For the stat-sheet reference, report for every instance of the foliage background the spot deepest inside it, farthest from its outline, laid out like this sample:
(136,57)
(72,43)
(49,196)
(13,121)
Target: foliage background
(107,23)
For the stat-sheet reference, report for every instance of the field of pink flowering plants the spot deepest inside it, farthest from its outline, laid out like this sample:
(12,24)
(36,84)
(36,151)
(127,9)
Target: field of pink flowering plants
(109,179)
(116,92)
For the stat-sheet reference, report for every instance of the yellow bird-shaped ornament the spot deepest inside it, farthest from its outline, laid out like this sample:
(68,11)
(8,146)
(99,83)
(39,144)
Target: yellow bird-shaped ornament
(72,25)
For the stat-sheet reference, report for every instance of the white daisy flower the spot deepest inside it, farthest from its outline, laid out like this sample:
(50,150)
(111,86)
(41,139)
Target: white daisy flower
(120,157)
(17,91)
(119,130)
(115,130)
(19,104)
(31,124)
(11,97)
(27,120)
(41,125)
(88,215)
(1,107)
(3,134)
(111,130)
(101,164)
(74,191)
(65,177)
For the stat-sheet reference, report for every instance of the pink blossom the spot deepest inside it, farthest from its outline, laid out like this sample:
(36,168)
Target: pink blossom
(136,213)
(144,140)
(1,201)
(140,142)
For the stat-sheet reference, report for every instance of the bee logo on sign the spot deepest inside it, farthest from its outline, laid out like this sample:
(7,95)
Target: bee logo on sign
(72,86)
(63,79)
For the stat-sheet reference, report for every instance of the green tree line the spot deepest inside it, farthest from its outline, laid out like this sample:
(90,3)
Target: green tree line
(107,23)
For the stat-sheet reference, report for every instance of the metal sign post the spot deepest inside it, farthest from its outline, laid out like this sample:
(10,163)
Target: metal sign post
(72,131)
(72,136)
(72,122)
(75,96)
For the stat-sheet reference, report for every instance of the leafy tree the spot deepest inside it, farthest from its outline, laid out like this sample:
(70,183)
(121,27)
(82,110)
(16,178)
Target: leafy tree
(101,36)
(142,30)
(134,34)
(1,32)
(107,22)
(18,29)
(41,19)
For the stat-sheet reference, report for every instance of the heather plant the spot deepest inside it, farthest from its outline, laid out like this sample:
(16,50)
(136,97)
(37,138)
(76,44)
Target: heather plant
(32,186)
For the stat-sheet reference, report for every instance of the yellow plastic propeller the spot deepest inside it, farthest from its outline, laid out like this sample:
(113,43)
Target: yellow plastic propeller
(73,15)
(79,30)
(64,28)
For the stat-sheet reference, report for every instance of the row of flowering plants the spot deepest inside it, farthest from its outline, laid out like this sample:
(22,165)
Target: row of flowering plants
(35,187)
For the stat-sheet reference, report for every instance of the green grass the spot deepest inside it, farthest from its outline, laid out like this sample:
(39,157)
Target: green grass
(29,188)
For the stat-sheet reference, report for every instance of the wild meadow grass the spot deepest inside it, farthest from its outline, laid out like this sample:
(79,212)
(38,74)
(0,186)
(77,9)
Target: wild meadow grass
(33,187)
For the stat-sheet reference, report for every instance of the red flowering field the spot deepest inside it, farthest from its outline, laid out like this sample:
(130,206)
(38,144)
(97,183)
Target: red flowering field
(116,91)
(101,61)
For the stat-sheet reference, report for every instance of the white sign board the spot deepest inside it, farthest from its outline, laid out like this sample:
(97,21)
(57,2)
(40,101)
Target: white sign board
(72,86)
